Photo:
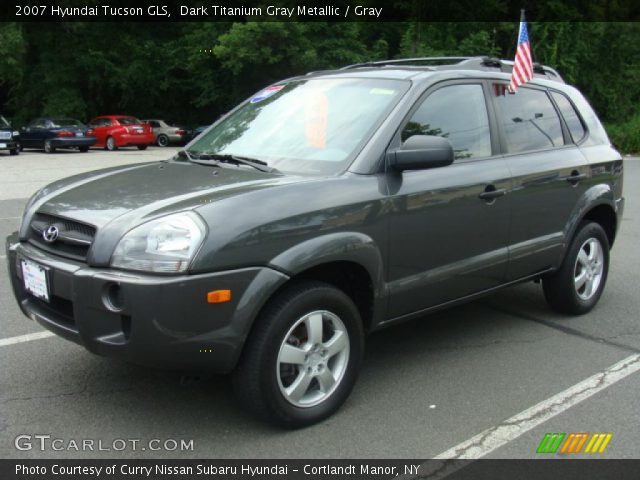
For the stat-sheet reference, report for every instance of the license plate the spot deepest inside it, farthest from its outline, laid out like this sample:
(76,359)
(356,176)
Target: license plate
(137,130)
(78,134)
(35,279)
(3,145)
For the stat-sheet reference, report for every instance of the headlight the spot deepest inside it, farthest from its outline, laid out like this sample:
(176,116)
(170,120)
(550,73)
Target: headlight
(15,133)
(164,245)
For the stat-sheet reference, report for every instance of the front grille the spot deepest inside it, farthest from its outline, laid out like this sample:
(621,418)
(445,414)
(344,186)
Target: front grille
(73,238)
(5,135)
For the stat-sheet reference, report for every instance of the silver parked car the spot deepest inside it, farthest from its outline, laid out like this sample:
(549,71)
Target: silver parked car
(167,134)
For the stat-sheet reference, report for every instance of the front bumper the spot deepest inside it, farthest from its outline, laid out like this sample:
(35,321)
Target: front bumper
(9,144)
(163,321)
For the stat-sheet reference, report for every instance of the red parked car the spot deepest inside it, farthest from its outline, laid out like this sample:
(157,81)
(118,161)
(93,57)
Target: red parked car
(114,131)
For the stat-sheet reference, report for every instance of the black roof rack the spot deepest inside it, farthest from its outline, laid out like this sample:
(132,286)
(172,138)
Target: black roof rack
(485,63)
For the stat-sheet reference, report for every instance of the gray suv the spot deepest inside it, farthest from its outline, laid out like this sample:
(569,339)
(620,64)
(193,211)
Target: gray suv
(324,207)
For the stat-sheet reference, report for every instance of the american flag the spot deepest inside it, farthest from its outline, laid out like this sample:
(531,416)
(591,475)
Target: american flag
(523,65)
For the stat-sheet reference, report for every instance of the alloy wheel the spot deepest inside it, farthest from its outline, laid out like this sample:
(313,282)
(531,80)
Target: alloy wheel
(313,358)
(589,268)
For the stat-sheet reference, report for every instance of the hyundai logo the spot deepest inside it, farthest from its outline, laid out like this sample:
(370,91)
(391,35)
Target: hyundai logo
(50,234)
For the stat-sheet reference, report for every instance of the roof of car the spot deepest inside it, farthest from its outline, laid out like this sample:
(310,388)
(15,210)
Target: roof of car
(426,67)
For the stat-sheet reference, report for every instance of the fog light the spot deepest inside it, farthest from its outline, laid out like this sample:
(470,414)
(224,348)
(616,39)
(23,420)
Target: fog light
(112,297)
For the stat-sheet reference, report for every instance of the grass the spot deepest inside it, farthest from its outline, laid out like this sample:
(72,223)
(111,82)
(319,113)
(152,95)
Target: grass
(626,136)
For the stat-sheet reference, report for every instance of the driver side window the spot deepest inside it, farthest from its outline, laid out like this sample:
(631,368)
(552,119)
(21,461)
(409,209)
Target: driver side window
(457,113)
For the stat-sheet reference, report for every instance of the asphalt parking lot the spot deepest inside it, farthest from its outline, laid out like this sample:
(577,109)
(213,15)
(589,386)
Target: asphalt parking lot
(427,386)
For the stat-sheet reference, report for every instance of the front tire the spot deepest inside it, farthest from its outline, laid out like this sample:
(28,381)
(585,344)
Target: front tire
(302,358)
(577,286)
(14,151)
(110,144)
(48,147)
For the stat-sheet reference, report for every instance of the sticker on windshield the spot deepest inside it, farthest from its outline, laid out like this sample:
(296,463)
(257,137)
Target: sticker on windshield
(316,112)
(266,93)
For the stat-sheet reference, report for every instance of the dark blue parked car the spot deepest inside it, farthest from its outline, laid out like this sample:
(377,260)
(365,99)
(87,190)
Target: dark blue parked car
(52,133)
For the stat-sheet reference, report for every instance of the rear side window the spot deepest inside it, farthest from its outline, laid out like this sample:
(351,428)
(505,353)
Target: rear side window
(571,117)
(529,119)
(457,113)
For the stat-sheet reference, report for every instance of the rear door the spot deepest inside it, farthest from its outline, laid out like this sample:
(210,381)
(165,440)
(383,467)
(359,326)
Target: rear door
(549,176)
(448,238)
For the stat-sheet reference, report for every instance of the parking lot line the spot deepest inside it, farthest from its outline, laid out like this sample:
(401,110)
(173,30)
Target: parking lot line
(495,437)
(25,338)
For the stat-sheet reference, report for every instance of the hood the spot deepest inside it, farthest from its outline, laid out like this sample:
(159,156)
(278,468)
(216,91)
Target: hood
(151,189)
(118,199)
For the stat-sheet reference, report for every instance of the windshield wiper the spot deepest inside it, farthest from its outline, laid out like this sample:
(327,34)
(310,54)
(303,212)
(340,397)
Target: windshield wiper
(229,158)
(186,154)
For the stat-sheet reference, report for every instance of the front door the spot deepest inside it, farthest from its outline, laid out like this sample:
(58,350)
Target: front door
(100,128)
(449,226)
(33,135)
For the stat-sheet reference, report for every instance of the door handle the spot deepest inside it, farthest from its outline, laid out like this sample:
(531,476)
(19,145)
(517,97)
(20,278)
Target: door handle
(575,177)
(491,193)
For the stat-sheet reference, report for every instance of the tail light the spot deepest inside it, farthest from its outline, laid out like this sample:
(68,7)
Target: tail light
(65,133)
(89,132)
(180,132)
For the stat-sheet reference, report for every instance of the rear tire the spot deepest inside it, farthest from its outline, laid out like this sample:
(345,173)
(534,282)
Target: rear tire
(83,149)
(110,144)
(577,285)
(162,141)
(48,147)
(142,147)
(308,336)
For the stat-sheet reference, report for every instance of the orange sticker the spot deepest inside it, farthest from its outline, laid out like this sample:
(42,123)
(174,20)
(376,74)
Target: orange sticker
(316,112)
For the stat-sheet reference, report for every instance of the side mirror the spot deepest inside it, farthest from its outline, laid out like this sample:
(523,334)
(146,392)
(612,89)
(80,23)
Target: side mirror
(420,152)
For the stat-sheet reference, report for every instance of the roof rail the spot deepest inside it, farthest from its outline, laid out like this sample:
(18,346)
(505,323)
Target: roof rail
(464,63)
(410,62)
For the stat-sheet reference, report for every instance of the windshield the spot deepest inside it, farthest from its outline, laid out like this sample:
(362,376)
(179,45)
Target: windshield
(305,126)
(128,120)
(66,122)
(3,122)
